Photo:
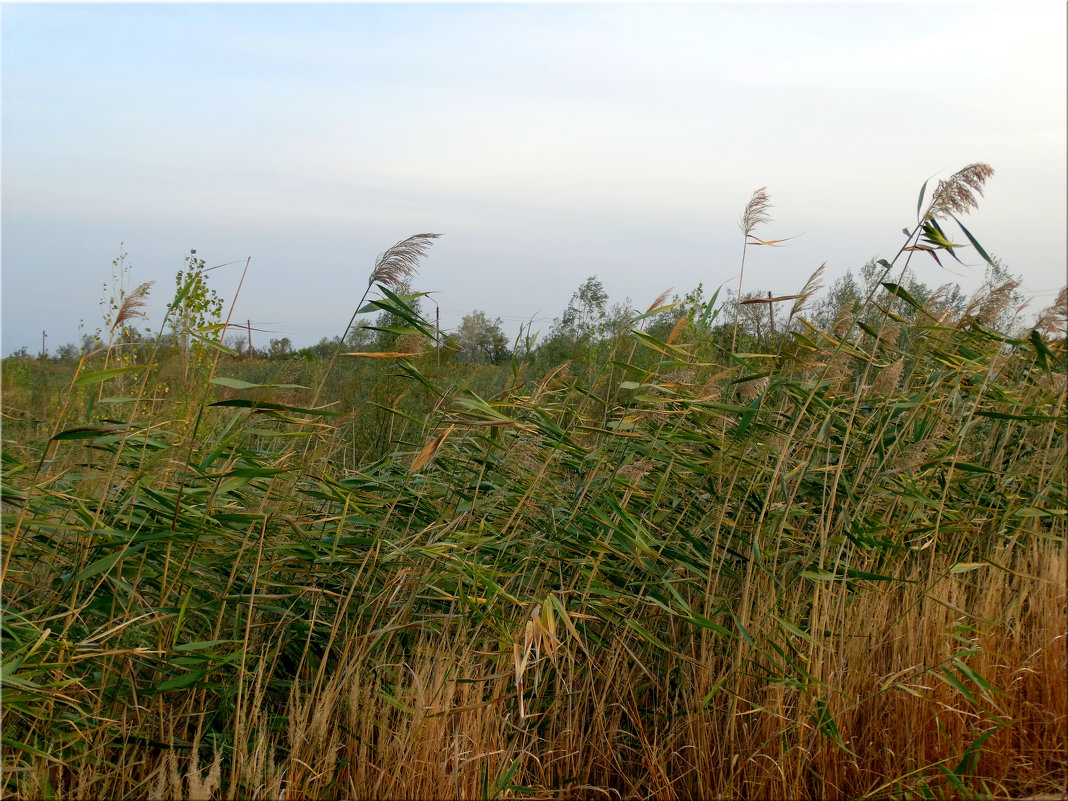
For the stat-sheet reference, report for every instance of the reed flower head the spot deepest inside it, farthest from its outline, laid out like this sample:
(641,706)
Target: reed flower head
(750,390)
(660,301)
(396,266)
(132,306)
(890,335)
(994,301)
(756,211)
(635,471)
(889,378)
(1054,318)
(843,320)
(957,195)
(811,287)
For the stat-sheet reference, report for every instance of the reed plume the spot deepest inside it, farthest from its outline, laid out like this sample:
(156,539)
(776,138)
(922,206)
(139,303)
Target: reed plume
(889,378)
(958,194)
(843,320)
(813,285)
(756,213)
(396,266)
(656,304)
(132,306)
(1054,318)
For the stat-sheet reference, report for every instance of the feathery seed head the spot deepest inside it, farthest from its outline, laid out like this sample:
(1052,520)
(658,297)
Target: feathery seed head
(957,195)
(132,305)
(397,265)
(843,320)
(994,301)
(756,211)
(1054,318)
(888,379)
(659,301)
(890,335)
(811,287)
(838,366)
(750,390)
(635,471)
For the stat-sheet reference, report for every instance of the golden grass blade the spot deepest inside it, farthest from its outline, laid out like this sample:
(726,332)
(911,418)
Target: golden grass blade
(431,448)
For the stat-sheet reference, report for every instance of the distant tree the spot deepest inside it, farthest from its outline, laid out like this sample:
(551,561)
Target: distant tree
(89,343)
(325,347)
(238,344)
(481,340)
(586,313)
(576,329)
(360,339)
(280,348)
(587,321)
(68,353)
(756,319)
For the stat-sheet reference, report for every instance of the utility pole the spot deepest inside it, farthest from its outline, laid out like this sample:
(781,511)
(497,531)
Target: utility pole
(249,324)
(44,352)
(771,311)
(437,332)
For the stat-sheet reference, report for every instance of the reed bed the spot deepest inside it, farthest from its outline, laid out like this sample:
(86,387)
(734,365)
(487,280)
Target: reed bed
(833,569)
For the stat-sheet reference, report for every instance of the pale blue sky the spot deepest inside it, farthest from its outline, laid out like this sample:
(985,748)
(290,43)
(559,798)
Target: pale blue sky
(547,142)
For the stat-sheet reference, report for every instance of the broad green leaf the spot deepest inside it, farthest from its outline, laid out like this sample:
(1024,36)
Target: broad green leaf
(106,563)
(1042,351)
(233,383)
(99,376)
(267,406)
(184,680)
(974,241)
(947,676)
(201,645)
(89,432)
(211,343)
(901,292)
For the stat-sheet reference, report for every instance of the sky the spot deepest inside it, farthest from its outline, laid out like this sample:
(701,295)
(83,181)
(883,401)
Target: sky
(546,142)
